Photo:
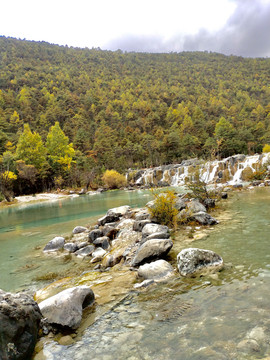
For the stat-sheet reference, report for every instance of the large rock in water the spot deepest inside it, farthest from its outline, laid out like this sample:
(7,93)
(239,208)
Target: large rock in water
(151,250)
(193,261)
(65,308)
(19,324)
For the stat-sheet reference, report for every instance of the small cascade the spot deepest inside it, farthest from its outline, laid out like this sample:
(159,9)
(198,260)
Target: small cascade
(182,174)
(166,178)
(208,171)
(242,166)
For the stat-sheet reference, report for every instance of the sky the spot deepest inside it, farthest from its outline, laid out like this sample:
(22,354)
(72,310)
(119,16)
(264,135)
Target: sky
(237,27)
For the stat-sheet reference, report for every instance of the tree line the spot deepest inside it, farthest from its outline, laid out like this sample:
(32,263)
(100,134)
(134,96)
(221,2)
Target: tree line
(127,110)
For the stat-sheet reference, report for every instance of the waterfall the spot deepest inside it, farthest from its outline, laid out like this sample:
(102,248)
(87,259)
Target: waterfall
(208,176)
(241,166)
(232,170)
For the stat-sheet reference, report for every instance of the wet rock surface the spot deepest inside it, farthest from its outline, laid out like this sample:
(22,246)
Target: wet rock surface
(193,261)
(19,325)
(156,270)
(65,308)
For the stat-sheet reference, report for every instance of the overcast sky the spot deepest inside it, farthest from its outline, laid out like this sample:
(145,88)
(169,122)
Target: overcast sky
(238,27)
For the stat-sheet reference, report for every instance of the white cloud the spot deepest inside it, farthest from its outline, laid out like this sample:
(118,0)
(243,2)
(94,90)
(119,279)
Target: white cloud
(95,23)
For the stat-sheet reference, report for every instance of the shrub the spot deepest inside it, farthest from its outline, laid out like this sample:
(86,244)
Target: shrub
(198,189)
(266,148)
(113,180)
(164,210)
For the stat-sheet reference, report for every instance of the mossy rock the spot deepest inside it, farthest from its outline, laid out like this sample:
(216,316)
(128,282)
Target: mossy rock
(247,174)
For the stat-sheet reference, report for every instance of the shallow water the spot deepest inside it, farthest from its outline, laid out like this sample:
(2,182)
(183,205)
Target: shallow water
(26,228)
(220,316)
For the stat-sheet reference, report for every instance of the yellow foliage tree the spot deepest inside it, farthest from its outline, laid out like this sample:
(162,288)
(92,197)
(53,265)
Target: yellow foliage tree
(164,210)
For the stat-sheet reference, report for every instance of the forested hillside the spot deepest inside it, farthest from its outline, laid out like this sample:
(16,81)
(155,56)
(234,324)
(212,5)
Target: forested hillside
(122,110)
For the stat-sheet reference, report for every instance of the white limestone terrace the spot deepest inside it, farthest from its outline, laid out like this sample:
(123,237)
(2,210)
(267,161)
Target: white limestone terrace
(231,171)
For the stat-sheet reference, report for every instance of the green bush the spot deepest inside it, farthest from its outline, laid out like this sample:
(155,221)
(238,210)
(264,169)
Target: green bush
(113,180)
(198,188)
(164,210)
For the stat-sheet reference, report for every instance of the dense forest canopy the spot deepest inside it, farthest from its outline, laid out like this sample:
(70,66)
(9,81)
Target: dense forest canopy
(122,110)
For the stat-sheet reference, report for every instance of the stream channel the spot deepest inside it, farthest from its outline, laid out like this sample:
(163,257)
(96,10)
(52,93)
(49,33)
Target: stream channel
(219,316)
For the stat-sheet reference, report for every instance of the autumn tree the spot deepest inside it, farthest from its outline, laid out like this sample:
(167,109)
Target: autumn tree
(31,150)
(60,151)
(7,176)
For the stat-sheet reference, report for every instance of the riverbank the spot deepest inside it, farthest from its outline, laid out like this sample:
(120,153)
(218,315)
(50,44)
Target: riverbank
(113,248)
(53,196)
(220,315)
(118,283)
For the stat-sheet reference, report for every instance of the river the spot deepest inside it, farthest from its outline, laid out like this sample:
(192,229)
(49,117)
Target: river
(26,227)
(220,316)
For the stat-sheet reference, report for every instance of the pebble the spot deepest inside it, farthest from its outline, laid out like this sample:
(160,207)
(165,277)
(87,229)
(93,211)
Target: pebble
(65,340)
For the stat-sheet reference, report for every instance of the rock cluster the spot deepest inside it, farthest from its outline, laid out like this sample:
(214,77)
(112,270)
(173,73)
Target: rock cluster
(135,239)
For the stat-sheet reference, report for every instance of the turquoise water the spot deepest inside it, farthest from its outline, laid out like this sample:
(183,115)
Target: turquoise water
(25,227)
(203,318)
(210,317)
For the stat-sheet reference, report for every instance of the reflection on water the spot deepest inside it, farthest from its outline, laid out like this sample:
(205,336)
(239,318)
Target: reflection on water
(219,316)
